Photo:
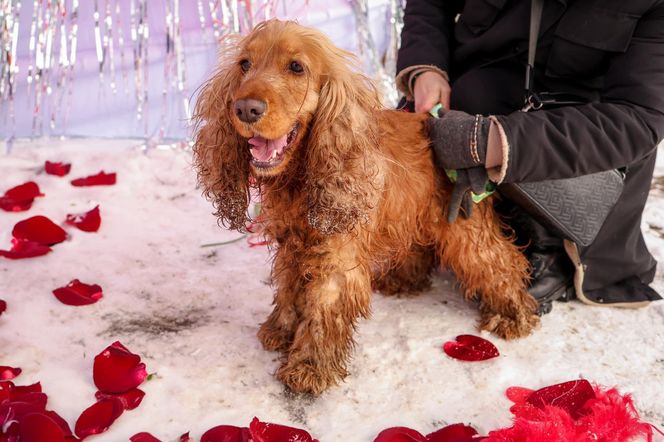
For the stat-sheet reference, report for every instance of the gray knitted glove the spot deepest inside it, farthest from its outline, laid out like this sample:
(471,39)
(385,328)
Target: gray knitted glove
(459,144)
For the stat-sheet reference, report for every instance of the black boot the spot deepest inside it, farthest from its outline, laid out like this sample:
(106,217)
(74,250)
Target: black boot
(552,272)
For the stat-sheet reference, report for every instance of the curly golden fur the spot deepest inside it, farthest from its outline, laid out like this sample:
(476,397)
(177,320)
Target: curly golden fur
(350,201)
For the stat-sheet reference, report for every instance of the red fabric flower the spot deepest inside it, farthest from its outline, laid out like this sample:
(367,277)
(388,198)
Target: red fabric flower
(98,417)
(117,370)
(40,230)
(572,412)
(78,293)
(226,433)
(267,432)
(87,222)
(3,305)
(59,169)
(25,249)
(100,179)
(143,437)
(130,399)
(8,373)
(470,348)
(20,198)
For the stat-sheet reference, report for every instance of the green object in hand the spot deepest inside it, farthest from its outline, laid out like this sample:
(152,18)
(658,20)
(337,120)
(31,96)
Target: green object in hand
(452,174)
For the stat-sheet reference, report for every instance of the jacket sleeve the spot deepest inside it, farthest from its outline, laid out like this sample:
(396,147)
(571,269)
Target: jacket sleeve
(427,33)
(624,126)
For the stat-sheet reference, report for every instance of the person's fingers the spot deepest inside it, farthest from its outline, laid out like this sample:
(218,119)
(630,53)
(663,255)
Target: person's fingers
(467,205)
(477,177)
(430,88)
(455,203)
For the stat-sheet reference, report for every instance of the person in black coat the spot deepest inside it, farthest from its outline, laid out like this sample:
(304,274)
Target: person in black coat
(471,57)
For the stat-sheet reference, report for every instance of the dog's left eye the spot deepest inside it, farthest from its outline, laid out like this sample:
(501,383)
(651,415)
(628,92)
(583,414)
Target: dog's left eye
(296,67)
(245,65)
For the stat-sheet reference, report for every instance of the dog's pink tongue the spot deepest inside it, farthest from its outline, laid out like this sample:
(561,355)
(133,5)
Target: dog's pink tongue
(262,148)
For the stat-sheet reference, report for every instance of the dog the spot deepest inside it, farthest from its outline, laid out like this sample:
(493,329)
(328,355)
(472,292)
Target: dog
(351,200)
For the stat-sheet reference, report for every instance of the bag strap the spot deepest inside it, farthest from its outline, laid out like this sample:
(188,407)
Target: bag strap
(536,7)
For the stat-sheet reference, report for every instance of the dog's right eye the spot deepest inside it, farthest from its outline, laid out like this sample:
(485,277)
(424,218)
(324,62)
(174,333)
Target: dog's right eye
(245,65)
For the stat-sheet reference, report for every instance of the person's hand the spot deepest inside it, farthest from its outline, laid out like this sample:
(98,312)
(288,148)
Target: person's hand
(430,89)
(459,143)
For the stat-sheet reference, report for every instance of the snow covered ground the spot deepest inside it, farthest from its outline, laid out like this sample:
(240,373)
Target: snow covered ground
(192,314)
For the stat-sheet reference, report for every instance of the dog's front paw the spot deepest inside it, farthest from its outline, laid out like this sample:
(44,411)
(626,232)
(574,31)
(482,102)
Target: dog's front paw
(274,338)
(305,377)
(508,327)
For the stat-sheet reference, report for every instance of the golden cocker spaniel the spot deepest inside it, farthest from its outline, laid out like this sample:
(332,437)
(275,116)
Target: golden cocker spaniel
(351,200)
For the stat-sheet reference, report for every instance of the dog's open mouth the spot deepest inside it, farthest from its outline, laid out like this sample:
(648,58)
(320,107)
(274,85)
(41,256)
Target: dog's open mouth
(269,153)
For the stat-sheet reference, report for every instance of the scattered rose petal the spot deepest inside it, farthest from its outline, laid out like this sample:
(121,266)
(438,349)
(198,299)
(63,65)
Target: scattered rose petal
(98,417)
(64,426)
(117,370)
(87,222)
(470,348)
(267,432)
(400,434)
(25,249)
(39,229)
(130,399)
(3,306)
(8,373)
(100,179)
(185,437)
(78,293)
(38,427)
(59,169)
(571,396)
(19,390)
(226,433)
(20,198)
(453,433)
(143,437)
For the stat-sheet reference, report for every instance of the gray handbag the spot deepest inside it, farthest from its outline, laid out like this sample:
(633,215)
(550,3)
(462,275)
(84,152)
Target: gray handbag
(573,208)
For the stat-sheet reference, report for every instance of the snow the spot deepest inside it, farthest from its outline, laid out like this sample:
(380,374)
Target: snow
(192,313)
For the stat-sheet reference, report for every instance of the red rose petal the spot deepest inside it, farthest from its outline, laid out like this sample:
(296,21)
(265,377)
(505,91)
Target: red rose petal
(117,370)
(98,417)
(64,426)
(470,348)
(226,433)
(87,222)
(59,169)
(3,306)
(100,179)
(8,373)
(143,437)
(20,198)
(518,395)
(267,432)
(453,433)
(39,229)
(78,293)
(400,434)
(130,399)
(571,396)
(20,390)
(38,427)
(25,249)
(185,437)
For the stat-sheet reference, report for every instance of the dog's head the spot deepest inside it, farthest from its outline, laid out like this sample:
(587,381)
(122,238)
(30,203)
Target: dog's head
(286,94)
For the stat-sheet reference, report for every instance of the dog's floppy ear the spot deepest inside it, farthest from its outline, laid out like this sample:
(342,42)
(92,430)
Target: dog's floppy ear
(221,156)
(340,163)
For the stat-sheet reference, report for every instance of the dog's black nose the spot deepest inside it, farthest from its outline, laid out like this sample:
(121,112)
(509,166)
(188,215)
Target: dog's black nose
(249,110)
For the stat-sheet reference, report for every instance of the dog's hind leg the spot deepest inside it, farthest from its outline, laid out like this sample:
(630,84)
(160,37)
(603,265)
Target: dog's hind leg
(337,293)
(490,265)
(409,277)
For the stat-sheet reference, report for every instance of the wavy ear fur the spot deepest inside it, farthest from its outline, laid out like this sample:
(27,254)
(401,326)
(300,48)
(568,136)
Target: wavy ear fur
(341,150)
(220,156)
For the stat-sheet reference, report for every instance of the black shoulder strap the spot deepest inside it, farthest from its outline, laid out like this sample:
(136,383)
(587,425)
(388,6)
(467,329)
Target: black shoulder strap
(536,7)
